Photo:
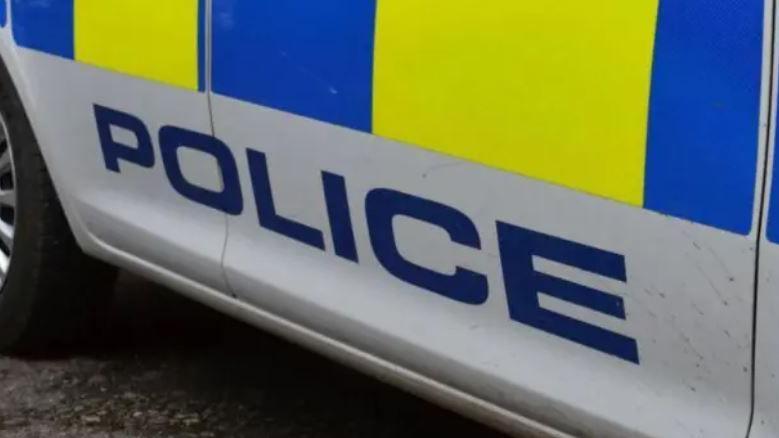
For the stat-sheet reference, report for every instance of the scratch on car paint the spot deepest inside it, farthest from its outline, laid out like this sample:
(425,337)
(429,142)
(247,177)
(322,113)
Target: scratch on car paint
(441,166)
(310,73)
(713,286)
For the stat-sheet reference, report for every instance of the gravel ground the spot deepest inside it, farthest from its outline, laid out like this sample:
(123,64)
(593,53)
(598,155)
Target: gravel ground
(172,368)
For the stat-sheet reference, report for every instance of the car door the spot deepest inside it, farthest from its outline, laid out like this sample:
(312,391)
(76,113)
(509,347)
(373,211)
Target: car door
(548,206)
(766,387)
(117,97)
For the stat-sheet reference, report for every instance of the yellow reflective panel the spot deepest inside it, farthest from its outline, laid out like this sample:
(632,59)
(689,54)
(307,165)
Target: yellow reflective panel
(151,39)
(555,90)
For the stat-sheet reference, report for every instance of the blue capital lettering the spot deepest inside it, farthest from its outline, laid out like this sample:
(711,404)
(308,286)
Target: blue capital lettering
(523,284)
(339,214)
(229,199)
(142,153)
(383,205)
(266,207)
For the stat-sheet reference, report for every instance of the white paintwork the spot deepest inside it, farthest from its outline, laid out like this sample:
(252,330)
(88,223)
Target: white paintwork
(136,210)
(765,423)
(688,297)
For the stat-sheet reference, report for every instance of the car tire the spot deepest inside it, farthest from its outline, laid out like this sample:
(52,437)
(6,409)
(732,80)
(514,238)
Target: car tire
(52,294)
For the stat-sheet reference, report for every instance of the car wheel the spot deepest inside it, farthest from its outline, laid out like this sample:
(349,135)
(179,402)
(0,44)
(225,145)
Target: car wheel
(51,293)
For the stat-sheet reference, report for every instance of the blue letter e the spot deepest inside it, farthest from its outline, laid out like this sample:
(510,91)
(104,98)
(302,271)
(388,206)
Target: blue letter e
(524,283)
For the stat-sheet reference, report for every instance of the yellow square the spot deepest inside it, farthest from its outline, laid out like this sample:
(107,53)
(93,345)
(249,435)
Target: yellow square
(150,39)
(554,90)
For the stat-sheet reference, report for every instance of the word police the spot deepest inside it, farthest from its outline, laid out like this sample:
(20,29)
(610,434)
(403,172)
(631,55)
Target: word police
(517,245)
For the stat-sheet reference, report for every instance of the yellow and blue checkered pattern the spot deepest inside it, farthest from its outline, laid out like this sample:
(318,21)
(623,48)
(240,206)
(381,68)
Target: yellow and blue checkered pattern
(653,103)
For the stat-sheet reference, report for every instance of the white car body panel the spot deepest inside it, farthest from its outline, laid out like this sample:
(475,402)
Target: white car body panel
(681,295)
(141,214)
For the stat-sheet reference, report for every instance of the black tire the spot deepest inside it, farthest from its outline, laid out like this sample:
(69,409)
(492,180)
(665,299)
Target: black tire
(53,294)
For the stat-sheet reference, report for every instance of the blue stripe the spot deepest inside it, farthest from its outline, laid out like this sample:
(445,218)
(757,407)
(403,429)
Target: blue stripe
(309,57)
(772,224)
(3,13)
(704,112)
(44,25)
(201,45)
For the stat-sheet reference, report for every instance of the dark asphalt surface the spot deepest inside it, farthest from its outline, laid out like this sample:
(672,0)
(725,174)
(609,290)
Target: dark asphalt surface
(171,368)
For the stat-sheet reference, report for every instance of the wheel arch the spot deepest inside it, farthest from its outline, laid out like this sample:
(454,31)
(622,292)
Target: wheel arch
(14,72)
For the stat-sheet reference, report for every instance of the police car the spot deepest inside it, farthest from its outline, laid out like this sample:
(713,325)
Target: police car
(556,217)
